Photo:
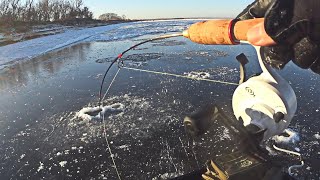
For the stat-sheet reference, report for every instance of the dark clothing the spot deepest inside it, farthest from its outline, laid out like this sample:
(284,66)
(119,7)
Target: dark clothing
(295,26)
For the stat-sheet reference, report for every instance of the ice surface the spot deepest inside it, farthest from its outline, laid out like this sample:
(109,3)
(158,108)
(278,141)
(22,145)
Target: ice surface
(32,48)
(35,47)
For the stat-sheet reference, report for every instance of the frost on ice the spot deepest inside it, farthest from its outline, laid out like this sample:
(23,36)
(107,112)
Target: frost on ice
(90,113)
(62,163)
(40,167)
(203,75)
(292,137)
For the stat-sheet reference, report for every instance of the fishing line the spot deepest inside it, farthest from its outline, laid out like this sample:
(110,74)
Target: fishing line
(101,87)
(114,78)
(105,128)
(181,76)
(121,54)
(293,153)
(109,148)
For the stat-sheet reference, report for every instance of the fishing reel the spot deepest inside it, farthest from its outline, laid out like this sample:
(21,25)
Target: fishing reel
(266,101)
(263,104)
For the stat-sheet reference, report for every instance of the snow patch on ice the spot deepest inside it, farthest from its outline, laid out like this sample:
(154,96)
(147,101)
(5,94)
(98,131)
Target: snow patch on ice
(90,113)
(62,163)
(225,134)
(40,167)
(167,175)
(136,64)
(123,146)
(293,137)
(66,152)
(317,136)
(22,156)
(122,122)
(203,75)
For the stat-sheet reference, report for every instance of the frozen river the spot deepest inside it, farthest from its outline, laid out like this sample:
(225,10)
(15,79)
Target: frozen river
(45,82)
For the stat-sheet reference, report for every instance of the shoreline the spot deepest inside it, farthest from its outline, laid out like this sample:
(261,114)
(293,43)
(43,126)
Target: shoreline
(22,31)
(18,33)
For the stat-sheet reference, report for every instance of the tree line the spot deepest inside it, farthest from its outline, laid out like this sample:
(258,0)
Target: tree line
(112,16)
(42,10)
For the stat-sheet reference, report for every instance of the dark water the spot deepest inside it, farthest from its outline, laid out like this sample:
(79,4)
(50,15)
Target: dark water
(41,137)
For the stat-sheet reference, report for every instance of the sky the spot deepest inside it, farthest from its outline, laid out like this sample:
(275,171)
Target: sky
(150,9)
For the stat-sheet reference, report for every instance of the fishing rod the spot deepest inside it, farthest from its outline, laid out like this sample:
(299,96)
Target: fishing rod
(213,32)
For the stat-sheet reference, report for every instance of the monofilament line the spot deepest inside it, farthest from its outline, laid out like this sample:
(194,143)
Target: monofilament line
(294,153)
(114,78)
(109,148)
(104,126)
(181,76)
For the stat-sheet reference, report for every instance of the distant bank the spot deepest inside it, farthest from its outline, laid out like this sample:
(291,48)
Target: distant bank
(20,31)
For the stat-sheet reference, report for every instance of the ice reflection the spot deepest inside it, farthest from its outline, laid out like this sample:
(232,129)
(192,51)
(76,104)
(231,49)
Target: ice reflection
(22,73)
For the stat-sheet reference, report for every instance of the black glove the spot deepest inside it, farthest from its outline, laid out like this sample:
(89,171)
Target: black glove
(295,26)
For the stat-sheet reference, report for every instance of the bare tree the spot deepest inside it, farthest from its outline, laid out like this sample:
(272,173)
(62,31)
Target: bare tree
(56,11)
(13,11)
(110,16)
(78,4)
(4,8)
(43,10)
(29,7)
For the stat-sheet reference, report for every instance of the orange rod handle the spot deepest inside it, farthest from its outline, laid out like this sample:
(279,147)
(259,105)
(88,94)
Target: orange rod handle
(225,31)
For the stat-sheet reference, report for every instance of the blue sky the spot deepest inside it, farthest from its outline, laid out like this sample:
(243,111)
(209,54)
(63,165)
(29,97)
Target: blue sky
(137,9)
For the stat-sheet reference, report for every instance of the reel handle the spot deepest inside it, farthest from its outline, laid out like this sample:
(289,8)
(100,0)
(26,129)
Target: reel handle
(225,31)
